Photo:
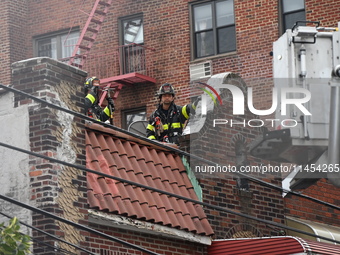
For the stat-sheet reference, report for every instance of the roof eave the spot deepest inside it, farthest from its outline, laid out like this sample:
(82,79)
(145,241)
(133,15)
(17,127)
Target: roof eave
(126,223)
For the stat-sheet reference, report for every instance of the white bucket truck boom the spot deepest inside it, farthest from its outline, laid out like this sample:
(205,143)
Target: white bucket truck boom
(306,58)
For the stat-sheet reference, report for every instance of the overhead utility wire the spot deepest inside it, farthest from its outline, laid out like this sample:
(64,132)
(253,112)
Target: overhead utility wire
(48,234)
(76,225)
(218,208)
(82,116)
(51,247)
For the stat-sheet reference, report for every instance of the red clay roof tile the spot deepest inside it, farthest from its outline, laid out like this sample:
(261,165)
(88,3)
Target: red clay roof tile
(141,163)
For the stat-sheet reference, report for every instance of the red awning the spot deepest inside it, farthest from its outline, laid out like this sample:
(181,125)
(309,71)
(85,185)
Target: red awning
(285,245)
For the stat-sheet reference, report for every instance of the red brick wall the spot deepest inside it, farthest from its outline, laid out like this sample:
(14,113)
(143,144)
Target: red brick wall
(323,11)
(5,43)
(155,243)
(305,209)
(13,41)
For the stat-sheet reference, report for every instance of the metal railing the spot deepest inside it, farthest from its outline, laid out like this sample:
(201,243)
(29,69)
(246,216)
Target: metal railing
(131,58)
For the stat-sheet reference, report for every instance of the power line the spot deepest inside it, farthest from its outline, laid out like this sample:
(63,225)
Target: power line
(180,152)
(76,225)
(51,247)
(50,235)
(218,208)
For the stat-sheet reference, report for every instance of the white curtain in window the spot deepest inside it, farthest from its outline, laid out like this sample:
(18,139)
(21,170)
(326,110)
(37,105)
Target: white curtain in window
(68,42)
(225,13)
(203,17)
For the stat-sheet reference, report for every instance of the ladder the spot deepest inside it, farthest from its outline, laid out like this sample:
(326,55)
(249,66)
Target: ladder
(89,32)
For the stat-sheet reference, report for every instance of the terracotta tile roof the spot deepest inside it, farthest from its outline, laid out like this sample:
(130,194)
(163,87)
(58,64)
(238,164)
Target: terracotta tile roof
(147,165)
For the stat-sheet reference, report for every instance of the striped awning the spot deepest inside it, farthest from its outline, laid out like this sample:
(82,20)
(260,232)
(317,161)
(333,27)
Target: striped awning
(283,245)
(315,228)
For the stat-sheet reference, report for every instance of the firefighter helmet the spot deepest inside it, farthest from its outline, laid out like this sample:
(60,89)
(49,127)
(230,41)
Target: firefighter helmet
(89,85)
(166,88)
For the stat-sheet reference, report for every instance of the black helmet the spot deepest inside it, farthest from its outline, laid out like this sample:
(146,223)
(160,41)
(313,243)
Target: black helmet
(89,84)
(166,88)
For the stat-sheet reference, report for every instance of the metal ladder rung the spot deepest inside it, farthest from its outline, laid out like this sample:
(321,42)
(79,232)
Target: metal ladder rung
(100,12)
(104,3)
(90,39)
(93,30)
(97,21)
(84,47)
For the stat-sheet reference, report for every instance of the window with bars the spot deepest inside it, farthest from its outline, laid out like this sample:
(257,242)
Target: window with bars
(213,28)
(131,41)
(57,45)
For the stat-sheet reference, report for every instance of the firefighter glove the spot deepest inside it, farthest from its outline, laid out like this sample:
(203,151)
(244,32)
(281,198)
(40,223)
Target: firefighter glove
(111,103)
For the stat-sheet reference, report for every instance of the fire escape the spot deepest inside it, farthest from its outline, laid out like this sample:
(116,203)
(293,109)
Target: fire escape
(129,64)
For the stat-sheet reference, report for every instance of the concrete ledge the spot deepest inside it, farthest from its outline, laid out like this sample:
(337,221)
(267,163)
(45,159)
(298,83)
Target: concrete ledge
(122,222)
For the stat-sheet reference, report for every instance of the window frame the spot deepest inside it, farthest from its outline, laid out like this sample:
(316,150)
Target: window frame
(282,16)
(215,29)
(126,112)
(129,52)
(59,43)
(121,21)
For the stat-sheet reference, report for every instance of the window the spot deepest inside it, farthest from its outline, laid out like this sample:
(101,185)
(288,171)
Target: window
(131,115)
(213,26)
(132,29)
(131,41)
(292,11)
(57,45)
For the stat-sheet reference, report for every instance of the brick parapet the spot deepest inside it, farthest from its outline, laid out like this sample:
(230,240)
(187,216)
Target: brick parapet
(56,134)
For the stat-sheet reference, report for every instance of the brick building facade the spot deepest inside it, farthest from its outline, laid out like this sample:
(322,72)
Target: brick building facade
(167,30)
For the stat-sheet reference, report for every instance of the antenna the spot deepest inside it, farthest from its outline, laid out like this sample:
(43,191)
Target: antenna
(138,127)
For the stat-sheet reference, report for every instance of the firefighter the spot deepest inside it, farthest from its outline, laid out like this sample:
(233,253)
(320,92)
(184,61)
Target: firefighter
(92,108)
(166,123)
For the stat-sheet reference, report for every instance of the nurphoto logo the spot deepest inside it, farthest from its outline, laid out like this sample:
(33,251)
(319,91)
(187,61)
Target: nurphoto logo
(239,102)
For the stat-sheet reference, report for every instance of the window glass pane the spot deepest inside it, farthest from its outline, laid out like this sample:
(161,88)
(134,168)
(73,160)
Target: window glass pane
(226,39)
(130,116)
(290,19)
(225,13)
(54,48)
(292,5)
(133,31)
(204,44)
(203,17)
(45,48)
(68,42)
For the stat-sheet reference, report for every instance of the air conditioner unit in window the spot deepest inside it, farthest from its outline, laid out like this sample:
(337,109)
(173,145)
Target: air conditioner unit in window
(200,71)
